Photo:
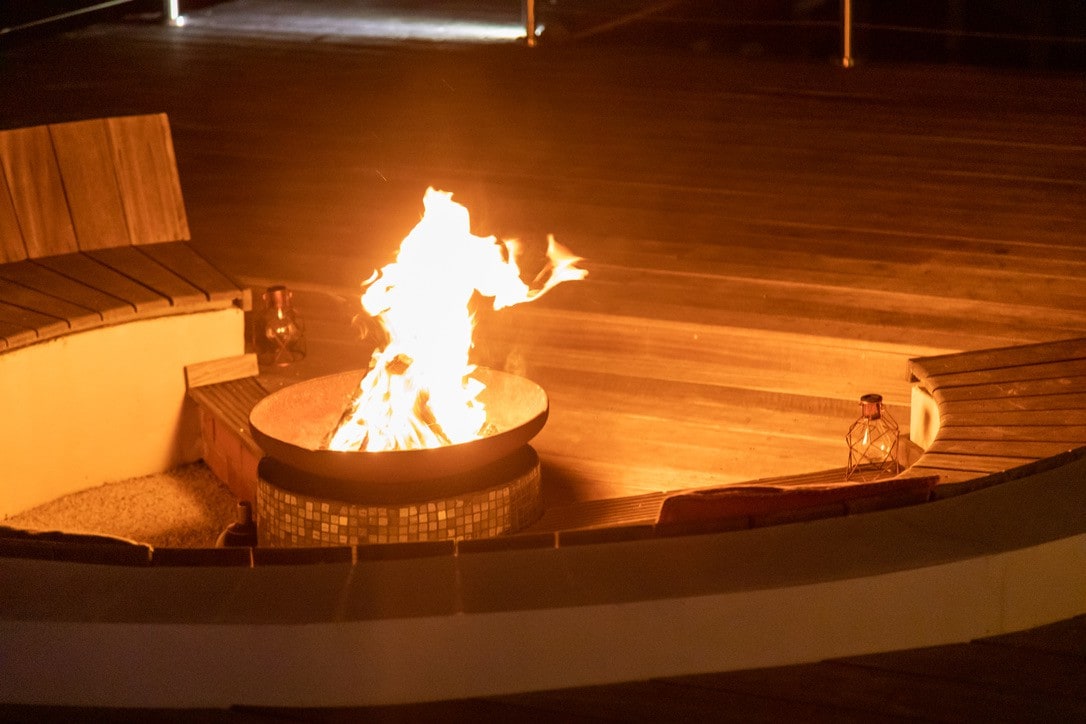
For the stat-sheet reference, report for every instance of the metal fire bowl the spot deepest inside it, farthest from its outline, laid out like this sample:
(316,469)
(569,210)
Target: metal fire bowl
(291,425)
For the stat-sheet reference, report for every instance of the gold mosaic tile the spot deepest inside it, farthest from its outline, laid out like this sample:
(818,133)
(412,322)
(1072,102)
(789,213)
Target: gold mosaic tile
(287,518)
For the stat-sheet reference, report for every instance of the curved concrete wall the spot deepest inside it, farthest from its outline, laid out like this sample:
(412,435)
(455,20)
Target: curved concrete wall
(105,404)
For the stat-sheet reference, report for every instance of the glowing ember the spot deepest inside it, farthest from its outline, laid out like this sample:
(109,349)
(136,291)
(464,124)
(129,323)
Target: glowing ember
(419,391)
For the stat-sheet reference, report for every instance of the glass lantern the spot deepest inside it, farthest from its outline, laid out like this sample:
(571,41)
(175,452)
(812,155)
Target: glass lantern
(279,333)
(872,442)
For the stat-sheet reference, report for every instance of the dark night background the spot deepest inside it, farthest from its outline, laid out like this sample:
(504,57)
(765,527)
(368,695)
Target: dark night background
(1003,33)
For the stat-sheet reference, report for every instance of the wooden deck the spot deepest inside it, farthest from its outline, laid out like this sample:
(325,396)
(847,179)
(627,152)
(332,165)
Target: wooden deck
(766,242)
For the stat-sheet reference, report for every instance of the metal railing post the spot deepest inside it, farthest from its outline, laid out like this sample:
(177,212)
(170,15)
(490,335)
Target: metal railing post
(171,12)
(528,11)
(846,34)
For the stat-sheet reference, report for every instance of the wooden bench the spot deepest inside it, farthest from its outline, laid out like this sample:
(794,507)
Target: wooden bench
(102,303)
(225,392)
(987,416)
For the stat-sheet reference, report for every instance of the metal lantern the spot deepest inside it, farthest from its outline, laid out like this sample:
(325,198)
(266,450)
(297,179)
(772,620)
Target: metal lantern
(280,333)
(872,442)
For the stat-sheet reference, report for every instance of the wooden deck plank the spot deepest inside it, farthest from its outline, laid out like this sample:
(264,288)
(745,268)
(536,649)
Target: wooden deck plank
(130,262)
(1041,371)
(949,479)
(1038,403)
(45,280)
(805,259)
(693,352)
(85,270)
(1040,353)
(651,455)
(16,334)
(229,369)
(722,411)
(1069,414)
(1055,432)
(230,403)
(719,300)
(43,326)
(147,177)
(979,463)
(233,400)
(85,158)
(1023,388)
(75,316)
(180,258)
(1029,450)
(12,247)
(37,192)
(572,479)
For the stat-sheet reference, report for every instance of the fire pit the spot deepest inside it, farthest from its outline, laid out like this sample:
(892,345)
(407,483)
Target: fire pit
(423,445)
(309,495)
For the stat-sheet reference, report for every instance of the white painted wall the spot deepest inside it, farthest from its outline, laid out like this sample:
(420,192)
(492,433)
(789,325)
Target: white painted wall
(105,404)
(406,660)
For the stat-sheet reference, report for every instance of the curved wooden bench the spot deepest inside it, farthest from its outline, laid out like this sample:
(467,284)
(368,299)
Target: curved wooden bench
(979,418)
(102,304)
(987,416)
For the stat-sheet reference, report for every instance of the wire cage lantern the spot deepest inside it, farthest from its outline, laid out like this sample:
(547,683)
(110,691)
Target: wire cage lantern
(872,442)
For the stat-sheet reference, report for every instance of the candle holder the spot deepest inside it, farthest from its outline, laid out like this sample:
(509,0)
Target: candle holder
(280,332)
(872,442)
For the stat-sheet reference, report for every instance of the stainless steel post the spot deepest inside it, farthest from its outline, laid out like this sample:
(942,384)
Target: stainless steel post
(846,34)
(171,12)
(528,11)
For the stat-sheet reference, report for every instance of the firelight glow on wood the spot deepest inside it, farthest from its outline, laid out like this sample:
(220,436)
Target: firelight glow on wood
(419,392)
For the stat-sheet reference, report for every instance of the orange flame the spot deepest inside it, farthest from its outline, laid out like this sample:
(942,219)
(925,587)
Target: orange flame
(419,391)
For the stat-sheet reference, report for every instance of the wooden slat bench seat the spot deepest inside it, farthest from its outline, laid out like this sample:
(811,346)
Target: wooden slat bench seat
(1001,412)
(103,302)
(93,230)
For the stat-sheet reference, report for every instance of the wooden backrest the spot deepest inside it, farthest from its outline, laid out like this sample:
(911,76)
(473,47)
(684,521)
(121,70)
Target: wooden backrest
(106,182)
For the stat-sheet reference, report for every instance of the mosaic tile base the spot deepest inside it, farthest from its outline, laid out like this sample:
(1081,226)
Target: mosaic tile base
(289,518)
